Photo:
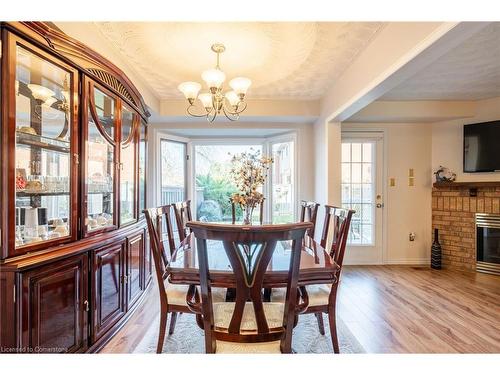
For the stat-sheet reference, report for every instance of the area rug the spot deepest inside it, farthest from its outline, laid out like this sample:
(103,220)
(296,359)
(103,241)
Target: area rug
(188,337)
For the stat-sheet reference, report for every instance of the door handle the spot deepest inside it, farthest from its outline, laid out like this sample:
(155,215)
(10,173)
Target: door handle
(86,305)
(379,205)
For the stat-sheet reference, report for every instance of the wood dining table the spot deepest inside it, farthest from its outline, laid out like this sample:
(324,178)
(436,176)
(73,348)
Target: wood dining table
(316,265)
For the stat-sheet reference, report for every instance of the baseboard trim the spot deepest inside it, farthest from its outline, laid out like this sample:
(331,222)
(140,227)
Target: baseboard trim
(410,261)
(406,262)
(362,263)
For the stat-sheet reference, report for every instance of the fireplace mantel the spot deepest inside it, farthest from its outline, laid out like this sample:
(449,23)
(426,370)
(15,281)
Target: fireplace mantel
(466,184)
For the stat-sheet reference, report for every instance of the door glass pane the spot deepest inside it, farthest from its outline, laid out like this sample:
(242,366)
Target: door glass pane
(358,189)
(283,201)
(127,124)
(43,153)
(100,176)
(173,172)
(142,168)
(213,183)
(127,170)
(105,108)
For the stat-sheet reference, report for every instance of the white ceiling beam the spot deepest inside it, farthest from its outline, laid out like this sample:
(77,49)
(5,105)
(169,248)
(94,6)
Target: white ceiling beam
(414,111)
(399,51)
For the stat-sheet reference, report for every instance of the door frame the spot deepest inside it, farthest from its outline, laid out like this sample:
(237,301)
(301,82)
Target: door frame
(380,135)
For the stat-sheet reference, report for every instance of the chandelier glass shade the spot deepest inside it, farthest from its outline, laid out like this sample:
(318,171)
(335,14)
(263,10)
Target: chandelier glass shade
(215,101)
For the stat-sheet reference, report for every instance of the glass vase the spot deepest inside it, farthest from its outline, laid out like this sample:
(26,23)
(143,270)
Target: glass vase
(247,214)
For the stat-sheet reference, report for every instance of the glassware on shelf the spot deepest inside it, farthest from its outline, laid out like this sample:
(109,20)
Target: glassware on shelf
(43,149)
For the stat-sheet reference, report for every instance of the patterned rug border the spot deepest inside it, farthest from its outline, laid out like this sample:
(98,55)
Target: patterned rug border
(307,325)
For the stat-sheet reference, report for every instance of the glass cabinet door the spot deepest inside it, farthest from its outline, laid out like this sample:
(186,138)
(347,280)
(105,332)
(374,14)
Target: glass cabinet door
(142,168)
(128,167)
(100,162)
(43,148)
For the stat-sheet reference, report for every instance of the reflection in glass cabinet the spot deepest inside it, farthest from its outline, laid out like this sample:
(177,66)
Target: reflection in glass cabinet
(142,168)
(105,109)
(43,151)
(100,176)
(127,172)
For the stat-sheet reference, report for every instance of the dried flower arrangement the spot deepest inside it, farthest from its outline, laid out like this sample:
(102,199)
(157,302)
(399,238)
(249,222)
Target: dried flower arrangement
(249,172)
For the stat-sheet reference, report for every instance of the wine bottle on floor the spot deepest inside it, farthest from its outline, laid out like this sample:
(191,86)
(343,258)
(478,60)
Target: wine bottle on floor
(436,251)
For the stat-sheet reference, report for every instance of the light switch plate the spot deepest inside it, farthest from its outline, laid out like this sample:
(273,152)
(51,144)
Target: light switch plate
(392,181)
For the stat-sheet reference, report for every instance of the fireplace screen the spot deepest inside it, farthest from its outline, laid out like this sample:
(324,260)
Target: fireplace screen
(488,243)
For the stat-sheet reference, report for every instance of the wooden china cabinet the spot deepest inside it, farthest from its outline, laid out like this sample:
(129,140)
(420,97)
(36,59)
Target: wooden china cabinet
(74,254)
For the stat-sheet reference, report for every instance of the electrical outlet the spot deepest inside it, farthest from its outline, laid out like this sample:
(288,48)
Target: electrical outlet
(411,236)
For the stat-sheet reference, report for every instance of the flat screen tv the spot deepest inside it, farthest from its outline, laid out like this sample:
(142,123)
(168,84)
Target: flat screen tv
(482,147)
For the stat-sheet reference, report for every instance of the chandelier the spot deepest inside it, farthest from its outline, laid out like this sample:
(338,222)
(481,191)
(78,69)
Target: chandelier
(215,102)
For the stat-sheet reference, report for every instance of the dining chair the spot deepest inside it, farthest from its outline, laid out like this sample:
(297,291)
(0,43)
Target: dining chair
(172,297)
(248,325)
(322,298)
(309,212)
(182,212)
(261,211)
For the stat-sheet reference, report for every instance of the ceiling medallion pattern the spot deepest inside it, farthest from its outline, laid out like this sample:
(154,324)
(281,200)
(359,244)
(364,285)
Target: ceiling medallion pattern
(286,60)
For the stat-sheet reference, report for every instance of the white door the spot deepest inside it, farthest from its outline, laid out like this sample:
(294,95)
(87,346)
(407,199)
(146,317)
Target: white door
(362,191)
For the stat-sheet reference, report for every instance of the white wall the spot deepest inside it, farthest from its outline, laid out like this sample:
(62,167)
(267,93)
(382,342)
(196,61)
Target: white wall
(407,208)
(447,141)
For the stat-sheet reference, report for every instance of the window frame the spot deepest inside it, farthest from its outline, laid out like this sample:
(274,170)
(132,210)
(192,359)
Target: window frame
(222,142)
(191,143)
(187,175)
(288,137)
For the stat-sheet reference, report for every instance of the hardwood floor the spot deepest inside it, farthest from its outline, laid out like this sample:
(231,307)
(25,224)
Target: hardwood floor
(392,309)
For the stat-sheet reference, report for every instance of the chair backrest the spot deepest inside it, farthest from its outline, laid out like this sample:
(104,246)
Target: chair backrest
(340,219)
(309,212)
(182,216)
(159,225)
(249,250)
(261,211)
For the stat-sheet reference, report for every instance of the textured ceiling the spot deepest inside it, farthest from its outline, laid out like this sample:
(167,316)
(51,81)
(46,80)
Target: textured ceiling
(284,60)
(470,71)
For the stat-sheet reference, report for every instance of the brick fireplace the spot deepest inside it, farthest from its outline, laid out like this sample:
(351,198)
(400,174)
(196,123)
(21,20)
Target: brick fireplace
(454,208)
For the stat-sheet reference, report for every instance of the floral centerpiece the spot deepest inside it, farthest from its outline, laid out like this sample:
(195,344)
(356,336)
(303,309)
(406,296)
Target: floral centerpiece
(249,172)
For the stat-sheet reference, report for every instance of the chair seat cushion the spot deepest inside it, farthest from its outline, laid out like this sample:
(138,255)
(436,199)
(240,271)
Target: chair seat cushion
(225,347)
(223,312)
(176,294)
(318,294)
